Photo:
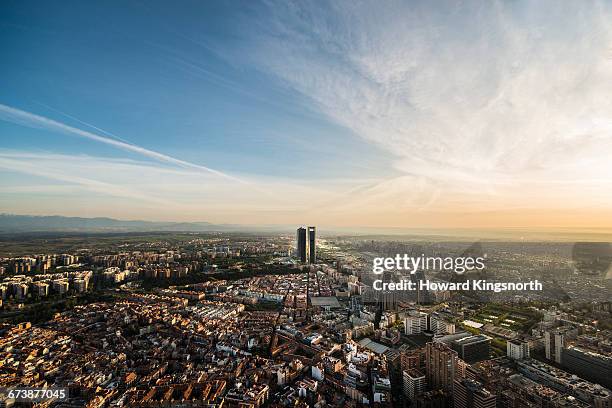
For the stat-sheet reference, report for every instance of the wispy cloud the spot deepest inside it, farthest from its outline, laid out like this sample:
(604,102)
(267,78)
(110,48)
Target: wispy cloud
(89,125)
(472,98)
(89,184)
(30,119)
(172,193)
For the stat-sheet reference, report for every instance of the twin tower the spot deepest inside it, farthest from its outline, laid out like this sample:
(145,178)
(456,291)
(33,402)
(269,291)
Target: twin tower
(306,245)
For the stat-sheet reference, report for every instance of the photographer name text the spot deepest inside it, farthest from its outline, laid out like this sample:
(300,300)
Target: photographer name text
(475,284)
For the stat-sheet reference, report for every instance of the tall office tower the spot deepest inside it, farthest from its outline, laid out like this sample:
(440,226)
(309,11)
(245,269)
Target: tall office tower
(312,245)
(473,348)
(559,344)
(471,394)
(553,344)
(302,245)
(549,345)
(440,366)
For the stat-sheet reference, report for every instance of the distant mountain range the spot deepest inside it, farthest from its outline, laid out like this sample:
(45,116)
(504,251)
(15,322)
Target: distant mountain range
(10,223)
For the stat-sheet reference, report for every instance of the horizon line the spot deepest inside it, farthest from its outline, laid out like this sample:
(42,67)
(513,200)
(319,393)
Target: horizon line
(418,230)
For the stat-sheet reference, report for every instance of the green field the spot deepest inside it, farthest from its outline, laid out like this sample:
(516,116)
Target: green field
(514,318)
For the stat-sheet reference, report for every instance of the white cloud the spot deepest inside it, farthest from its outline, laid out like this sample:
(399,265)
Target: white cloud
(475,98)
(138,188)
(18,116)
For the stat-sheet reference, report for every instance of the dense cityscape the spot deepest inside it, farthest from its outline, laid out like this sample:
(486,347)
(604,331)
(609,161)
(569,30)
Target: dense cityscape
(291,320)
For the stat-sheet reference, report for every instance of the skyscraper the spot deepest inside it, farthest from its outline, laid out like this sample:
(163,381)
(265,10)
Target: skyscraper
(312,245)
(302,245)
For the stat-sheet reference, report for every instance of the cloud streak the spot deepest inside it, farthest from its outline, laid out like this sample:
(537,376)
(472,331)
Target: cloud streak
(173,193)
(90,184)
(29,119)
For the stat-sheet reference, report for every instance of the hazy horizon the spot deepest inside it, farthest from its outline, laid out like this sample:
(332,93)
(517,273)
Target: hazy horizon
(558,234)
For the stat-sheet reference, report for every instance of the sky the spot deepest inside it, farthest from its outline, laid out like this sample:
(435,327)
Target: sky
(397,114)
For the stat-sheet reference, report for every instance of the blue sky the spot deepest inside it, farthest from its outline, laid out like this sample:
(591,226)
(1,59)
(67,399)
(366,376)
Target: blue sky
(343,113)
(143,71)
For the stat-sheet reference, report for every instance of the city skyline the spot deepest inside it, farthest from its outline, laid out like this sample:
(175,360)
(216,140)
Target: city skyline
(466,116)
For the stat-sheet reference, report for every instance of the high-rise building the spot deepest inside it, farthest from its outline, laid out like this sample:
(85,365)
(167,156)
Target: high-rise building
(414,383)
(40,288)
(440,366)
(312,245)
(302,245)
(412,359)
(415,322)
(553,344)
(307,245)
(60,286)
(80,285)
(549,345)
(471,394)
(21,290)
(517,350)
(473,348)
(559,344)
(439,325)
